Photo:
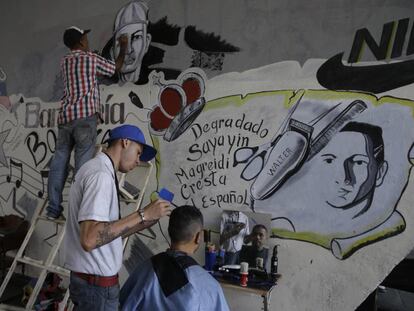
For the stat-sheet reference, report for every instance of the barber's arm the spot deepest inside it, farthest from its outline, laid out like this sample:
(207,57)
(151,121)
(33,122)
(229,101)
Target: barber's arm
(94,234)
(149,221)
(123,43)
(248,238)
(232,231)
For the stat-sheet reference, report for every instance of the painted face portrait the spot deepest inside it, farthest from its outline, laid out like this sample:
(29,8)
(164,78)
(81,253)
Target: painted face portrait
(346,169)
(336,185)
(132,21)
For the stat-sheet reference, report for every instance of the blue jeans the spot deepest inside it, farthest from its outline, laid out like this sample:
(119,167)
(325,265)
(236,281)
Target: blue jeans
(88,297)
(81,135)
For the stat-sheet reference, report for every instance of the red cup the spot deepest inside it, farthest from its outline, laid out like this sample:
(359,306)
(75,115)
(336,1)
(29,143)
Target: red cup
(243,279)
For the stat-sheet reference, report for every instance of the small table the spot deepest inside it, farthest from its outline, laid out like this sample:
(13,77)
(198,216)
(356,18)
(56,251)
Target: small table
(264,293)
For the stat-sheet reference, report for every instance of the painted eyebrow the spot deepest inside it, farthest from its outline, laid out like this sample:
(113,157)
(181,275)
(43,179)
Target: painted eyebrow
(134,33)
(328,155)
(360,155)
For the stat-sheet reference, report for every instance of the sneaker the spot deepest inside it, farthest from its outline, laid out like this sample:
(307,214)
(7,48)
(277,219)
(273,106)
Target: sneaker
(52,216)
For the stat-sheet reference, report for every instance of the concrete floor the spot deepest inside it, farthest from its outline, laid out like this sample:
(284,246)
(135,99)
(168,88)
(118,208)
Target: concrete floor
(388,299)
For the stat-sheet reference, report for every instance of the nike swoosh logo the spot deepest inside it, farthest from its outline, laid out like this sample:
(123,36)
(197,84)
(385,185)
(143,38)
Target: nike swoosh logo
(334,75)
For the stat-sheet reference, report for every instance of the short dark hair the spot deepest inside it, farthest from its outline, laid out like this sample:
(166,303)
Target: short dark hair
(185,221)
(259,226)
(373,132)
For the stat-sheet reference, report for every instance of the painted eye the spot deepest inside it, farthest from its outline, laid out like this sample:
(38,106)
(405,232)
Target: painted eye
(329,161)
(136,37)
(359,162)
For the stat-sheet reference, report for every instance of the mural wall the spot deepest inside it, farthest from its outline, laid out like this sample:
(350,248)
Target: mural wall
(249,112)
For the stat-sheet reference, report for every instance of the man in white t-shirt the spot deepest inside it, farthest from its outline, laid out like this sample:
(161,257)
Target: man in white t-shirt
(234,226)
(95,228)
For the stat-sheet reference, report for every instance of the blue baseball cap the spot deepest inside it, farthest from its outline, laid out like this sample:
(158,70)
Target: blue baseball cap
(133,133)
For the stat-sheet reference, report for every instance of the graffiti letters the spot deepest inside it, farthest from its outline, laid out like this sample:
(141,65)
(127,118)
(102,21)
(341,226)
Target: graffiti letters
(210,160)
(37,148)
(373,78)
(47,118)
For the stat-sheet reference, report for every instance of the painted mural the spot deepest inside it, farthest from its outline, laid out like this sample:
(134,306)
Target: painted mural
(334,171)
(350,143)
(323,146)
(154,46)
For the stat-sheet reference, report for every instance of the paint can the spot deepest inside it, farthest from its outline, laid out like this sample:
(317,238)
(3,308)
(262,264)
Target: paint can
(210,259)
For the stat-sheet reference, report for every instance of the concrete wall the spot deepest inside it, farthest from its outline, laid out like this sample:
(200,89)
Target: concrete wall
(271,122)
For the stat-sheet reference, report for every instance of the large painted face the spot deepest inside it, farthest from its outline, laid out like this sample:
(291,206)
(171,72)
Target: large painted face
(345,170)
(330,190)
(130,157)
(138,42)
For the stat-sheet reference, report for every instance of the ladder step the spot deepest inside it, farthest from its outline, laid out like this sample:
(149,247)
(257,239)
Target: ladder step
(123,199)
(58,221)
(41,265)
(144,164)
(31,261)
(59,270)
(10,308)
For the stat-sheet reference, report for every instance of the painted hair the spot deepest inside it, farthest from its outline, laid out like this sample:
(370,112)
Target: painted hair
(373,132)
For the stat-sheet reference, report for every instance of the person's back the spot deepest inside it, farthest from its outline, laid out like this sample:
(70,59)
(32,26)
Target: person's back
(80,110)
(80,70)
(173,280)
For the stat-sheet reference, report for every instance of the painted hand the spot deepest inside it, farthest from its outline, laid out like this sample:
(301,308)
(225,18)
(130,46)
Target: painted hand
(123,42)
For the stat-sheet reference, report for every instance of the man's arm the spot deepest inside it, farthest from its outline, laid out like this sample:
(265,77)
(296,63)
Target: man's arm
(139,227)
(248,238)
(94,234)
(231,232)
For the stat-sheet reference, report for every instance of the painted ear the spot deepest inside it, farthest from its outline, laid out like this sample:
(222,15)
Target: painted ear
(382,171)
(147,43)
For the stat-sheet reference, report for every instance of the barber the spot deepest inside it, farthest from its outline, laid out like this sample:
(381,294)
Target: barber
(95,228)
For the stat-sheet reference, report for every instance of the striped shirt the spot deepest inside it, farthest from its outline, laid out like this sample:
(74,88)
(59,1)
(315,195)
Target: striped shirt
(80,71)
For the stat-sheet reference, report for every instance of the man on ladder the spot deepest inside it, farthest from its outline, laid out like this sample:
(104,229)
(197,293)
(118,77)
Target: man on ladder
(80,109)
(93,239)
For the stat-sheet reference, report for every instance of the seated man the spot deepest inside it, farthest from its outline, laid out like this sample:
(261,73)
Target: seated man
(173,280)
(249,253)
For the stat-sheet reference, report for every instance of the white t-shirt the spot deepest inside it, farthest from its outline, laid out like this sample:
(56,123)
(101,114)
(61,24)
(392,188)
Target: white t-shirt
(93,196)
(228,220)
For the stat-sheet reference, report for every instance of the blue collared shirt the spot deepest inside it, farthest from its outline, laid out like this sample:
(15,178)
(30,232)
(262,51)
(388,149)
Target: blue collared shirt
(142,291)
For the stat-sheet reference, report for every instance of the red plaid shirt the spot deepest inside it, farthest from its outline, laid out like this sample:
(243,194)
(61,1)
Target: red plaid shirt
(80,72)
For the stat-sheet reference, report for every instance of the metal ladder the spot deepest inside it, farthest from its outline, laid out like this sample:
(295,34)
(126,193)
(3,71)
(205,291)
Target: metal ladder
(47,265)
